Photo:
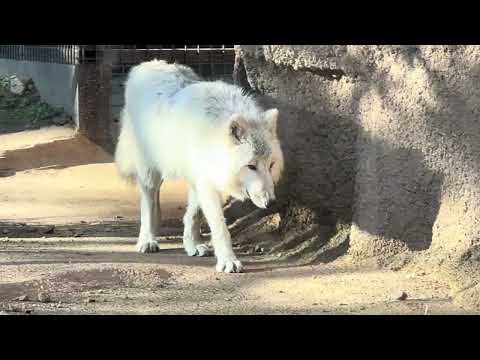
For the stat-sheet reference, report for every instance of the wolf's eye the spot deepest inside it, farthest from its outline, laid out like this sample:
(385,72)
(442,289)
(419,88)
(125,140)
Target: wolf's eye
(252,167)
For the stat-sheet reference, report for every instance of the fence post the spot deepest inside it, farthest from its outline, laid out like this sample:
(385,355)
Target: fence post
(94,98)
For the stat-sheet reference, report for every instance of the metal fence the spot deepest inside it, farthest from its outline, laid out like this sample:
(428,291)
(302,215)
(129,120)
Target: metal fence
(212,62)
(60,54)
(209,61)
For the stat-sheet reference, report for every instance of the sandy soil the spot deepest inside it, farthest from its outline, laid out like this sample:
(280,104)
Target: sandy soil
(67,234)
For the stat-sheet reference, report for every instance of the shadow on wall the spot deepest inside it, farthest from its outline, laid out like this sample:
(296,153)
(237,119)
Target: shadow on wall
(335,173)
(397,196)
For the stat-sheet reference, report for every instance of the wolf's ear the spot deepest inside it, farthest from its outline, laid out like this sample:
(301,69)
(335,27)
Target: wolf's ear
(271,117)
(237,128)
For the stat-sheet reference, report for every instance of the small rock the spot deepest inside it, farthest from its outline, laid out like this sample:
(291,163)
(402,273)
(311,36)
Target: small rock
(28,311)
(279,255)
(21,298)
(403,296)
(258,249)
(282,292)
(315,304)
(83,222)
(43,297)
(118,217)
(90,300)
(16,86)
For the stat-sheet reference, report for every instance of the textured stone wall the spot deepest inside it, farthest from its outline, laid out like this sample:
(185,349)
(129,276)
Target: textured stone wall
(384,138)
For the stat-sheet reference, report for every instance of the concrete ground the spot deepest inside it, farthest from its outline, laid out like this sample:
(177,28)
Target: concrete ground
(67,233)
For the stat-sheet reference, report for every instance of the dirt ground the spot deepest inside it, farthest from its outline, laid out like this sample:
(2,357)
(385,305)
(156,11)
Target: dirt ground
(67,233)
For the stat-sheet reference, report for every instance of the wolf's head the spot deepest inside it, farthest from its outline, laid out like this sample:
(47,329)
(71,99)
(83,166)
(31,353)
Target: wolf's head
(257,158)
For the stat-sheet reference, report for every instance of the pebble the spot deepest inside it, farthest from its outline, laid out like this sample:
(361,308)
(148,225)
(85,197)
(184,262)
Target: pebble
(403,296)
(258,249)
(21,298)
(43,297)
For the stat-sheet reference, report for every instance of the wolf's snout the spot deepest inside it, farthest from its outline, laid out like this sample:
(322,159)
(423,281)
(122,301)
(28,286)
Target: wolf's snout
(270,203)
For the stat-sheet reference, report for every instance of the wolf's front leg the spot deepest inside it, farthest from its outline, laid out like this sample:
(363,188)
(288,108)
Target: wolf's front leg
(148,212)
(211,204)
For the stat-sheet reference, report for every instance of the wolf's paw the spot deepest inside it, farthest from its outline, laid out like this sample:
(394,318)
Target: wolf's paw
(148,247)
(198,250)
(229,265)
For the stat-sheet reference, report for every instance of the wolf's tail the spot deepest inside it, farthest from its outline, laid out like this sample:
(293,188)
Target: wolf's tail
(125,153)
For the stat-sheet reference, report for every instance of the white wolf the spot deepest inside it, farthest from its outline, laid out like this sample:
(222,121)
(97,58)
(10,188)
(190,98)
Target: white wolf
(174,125)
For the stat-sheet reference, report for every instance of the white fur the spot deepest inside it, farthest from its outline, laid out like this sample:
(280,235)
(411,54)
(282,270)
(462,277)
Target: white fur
(176,126)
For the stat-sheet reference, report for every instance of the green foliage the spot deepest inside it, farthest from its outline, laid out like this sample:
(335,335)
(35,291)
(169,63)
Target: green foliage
(20,111)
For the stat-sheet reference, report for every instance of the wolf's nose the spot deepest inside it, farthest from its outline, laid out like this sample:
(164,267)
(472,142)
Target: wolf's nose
(270,203)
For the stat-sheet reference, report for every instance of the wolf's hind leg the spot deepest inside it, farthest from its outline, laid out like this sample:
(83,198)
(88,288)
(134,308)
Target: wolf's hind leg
(191,232)
(149,212)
